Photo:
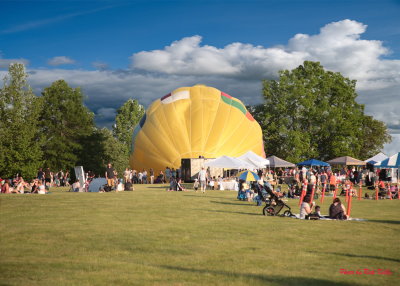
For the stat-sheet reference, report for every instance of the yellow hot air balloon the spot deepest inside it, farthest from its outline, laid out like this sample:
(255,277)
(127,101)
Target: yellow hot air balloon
(191,122)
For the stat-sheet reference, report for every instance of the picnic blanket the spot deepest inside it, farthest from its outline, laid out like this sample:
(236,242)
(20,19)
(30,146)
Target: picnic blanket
(326,218)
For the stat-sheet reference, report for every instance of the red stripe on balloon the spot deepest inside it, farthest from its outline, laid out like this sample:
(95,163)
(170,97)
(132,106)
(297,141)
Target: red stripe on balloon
(165,96)
(226,95)
(249,116)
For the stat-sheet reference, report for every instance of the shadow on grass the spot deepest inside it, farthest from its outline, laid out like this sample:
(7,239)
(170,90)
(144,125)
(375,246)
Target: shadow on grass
(160,187)
(231,212)
(384,221)
(234,204)
(358,256)
(267,279)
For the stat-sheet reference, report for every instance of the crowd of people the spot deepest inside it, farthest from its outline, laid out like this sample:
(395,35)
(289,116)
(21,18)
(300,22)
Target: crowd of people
(309,183)
(341,182)
(41,184)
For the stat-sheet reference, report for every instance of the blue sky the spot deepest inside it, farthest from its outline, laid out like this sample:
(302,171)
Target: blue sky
(110,31)
(116,50)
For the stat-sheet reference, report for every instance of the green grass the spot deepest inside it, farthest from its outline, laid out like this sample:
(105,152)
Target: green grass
(154,237)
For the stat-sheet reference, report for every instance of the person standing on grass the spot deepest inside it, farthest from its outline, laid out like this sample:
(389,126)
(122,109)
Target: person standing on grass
(167,174)
(127,175)
(202,178)
(151,176)
(144,178)
(40,175)
(47,176)
(110,174)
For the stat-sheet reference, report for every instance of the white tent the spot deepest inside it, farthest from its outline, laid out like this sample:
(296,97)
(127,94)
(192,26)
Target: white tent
(96,184)
(229,162)
(254,159)
(377,158)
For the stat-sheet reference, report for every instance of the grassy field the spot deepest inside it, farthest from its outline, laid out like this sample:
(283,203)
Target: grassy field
(153,237)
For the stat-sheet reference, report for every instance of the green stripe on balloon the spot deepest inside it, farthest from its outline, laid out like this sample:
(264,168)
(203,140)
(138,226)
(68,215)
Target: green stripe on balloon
(234,103)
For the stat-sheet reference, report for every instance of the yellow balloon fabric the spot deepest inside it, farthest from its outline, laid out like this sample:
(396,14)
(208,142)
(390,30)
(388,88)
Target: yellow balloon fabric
(191,122)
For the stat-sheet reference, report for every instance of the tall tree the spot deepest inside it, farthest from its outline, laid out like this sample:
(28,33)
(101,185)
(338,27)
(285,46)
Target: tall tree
(375,136)
(128,115)
(310,112)
(20,138)
(65,121)
(100,148)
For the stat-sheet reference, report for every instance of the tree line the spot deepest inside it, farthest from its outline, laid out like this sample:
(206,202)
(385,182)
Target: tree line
(307,113)
(56,130)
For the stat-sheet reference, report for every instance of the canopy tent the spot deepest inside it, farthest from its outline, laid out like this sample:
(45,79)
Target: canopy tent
(391,162)
(229,162)
(377,158)
(346,160)
(313,162)
(96,184)
(275,162)
(254,159)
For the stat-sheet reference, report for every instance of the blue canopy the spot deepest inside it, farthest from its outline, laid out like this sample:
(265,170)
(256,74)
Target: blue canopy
(391,162)
(313,162)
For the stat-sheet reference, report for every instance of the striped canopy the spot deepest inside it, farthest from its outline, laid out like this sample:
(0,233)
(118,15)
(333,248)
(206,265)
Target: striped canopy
(391,162)
(377,158)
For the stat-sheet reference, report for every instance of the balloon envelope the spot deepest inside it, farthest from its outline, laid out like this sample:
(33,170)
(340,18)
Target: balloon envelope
(191,122)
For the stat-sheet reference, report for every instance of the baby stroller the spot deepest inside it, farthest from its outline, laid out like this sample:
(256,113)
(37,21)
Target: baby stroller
(274,205)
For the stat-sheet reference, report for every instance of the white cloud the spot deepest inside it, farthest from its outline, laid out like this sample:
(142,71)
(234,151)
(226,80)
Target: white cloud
(100,65)
(238,69)
(61,60)
(338,47)
(5,63)
(394,146)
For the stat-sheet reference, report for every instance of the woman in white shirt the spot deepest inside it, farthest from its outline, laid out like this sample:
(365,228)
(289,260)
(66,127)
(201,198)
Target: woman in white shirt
(42,189)
(306,206)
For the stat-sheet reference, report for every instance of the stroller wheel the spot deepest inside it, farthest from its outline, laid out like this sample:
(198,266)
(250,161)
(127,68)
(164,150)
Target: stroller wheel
(287,213)
(268,211)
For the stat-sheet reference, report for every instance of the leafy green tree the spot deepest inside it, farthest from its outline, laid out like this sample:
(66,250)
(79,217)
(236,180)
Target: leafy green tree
(313,113)
(65,122)
(115,152)
(100,148)
(128,115)
(20,138)
(375,136)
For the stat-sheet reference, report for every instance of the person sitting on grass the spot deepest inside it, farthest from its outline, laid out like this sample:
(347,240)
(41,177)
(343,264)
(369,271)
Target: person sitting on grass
(306,206)
(5,188)
(20,185)
(382,189)
(317,211)
(242,190)
(179,186)
(76,186)
(196,185)
(249,193)
(35,186)
(337,210)
(42,189)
